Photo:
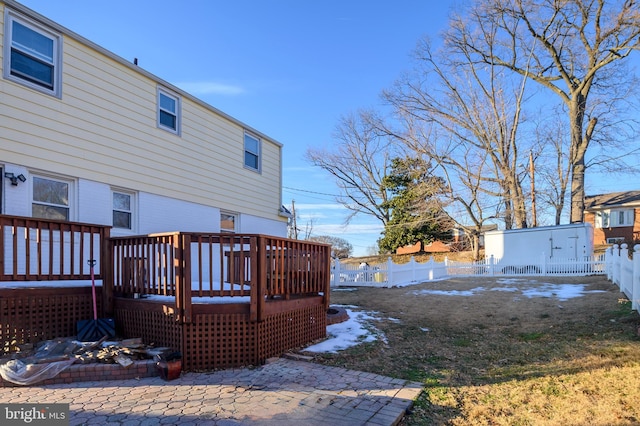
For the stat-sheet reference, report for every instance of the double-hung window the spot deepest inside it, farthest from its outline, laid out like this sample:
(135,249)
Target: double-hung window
(32,55)
(51,198)
(251,152)
(123,209)
(614,218)
(168,111)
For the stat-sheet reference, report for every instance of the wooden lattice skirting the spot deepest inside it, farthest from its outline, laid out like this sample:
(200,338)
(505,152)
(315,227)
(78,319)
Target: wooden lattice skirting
(222,335)
(31,315)
(219,335)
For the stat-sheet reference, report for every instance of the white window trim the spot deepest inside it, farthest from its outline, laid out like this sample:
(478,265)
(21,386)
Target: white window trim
(132,210)
(258,154)
(615,240)
(178,112)
(610,218)
(11,16)
(72,192)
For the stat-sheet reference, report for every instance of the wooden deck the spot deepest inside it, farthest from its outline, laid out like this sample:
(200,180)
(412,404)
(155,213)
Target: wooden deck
(224,300)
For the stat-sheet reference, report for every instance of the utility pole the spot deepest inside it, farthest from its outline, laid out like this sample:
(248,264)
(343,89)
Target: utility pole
(534,221)
(293,229)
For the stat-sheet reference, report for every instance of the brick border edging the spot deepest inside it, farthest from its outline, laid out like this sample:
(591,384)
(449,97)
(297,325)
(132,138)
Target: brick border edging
(97,372)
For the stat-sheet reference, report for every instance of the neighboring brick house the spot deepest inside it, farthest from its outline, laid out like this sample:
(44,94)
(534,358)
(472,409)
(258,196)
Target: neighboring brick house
(614,217)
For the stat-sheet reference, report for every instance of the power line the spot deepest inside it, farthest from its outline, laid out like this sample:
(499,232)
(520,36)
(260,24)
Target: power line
(308,191)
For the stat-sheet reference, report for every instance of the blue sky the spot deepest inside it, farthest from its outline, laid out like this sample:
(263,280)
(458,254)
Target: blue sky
(288,68)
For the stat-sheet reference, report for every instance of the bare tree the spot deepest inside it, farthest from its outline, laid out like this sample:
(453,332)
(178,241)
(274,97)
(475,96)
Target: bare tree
(573,45)
(551,161)
(340,247)
(470,197)
(475,105)
(359,162)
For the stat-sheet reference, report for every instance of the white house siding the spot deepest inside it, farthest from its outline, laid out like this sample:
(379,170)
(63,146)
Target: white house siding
(104,130)
(152,213)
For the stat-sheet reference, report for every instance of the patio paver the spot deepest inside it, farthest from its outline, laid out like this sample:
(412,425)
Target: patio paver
(281,392)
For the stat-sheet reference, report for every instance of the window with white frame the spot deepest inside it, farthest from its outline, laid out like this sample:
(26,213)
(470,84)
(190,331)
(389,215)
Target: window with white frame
(614,218)
(168,111)
(32,55)
(615,240)
(252,152)
(123,209)
(51,198)
(228,222)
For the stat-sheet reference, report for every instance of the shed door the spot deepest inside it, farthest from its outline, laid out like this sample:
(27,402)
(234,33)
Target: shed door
(564,244)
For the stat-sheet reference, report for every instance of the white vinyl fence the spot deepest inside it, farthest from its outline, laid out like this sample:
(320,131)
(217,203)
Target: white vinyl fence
(616,264)
(625,272)
(389,274)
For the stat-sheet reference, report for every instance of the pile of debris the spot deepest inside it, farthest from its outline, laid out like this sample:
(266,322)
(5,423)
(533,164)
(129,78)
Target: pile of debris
(32,363)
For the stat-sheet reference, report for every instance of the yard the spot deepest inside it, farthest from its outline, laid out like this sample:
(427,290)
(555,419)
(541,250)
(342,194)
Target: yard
(527,351)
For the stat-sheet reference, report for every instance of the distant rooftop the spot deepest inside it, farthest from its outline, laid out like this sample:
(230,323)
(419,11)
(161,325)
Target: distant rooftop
(611,199)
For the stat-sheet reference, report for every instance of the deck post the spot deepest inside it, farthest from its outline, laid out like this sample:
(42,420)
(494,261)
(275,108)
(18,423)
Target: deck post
(326,262)
(259,252)
(185,250)
(106,270)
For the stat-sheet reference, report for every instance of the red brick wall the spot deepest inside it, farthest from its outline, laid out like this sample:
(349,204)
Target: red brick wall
(600,235)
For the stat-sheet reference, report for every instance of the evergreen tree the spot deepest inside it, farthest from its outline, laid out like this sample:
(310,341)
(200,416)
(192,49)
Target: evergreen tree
(416,212)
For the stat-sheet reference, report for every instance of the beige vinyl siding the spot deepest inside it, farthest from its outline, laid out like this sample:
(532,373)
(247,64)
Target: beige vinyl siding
(105,129)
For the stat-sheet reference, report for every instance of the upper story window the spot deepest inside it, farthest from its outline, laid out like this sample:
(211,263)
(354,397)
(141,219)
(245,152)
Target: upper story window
(251,152)
(32,55)
(123,209)
(228,222)
(614,218)
(51,198)
(168,111)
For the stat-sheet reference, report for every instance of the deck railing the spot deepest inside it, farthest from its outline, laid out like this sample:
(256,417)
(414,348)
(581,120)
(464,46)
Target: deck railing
(248,267)
(34,249)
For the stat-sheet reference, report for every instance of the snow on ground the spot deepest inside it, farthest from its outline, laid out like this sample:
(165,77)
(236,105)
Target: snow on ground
(359,329)
(527,288)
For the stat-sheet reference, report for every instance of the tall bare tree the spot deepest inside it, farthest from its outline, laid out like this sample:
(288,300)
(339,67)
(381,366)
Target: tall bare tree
(359,162)
(478,108)
(573,44)
(551,161)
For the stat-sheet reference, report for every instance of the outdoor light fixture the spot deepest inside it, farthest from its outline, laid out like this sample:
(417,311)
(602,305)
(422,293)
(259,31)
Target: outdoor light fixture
(14,179)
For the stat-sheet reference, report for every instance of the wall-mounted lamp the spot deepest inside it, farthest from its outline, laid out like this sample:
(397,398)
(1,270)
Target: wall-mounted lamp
(14,179)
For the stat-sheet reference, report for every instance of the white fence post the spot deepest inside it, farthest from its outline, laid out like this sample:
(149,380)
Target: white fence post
(431,266)
(615,267)
(389,272)
(336,272)
(635,287)
(412,264)
(626,271)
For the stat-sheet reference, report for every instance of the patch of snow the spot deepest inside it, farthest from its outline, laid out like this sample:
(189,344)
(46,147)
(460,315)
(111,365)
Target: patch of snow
(533,288)
(54,283)
(356,330)
(450,292)
(562,292)
(507,289)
